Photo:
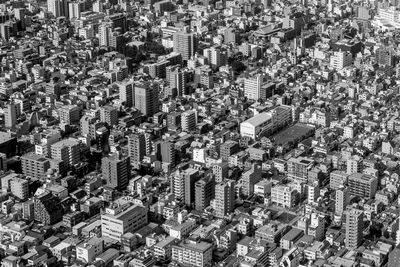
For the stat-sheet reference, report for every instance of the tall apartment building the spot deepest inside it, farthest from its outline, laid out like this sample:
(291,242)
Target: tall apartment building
(286,196)
(342,199)
(183,185)
(354,164)
(317,226)
(136,148)
(298,168)
(58,8)
(168,153)
(127,93)
(216,57)
(354,228)
(204,192)
(341,59)
(123,219)
(191,253)
(89,125)
(185,43)
(45,140)
(178,79)
(188,120)
(67,150)
(75,9)
(10,115)
(69,114)
(190,176)
(109,115)
(252,87)
(385,56)
(231,36)
(47,209)
(28,210)
(19,188)
(116,170)
(250,178)
(362,185)
(35,166)
(224,198)
(337,179)
(221,171)
(228,148)
(146,98)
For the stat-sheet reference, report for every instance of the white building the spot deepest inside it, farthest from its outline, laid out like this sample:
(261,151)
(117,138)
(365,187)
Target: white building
(122,219)
(341,59)
(285,195)
(256,125)
(252,87)
(87,251)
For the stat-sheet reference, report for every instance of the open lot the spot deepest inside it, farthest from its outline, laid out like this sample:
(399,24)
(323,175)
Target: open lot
(293,134)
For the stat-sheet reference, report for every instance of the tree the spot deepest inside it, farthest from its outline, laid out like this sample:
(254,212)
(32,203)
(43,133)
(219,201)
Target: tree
(139,57)
(238,66)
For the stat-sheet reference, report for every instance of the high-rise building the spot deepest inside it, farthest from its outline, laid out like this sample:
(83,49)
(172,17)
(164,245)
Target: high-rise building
(58,8)
(190,176)
(185,43)
(178,79)
(10,115)
(385,56)
(285,195)
(146,98)
(54,7)
(109,115)
(28,210)
(216,58)
(337,179)
(354,228)
(354,164)
(69,114)
(34,166)
(110,35)
(98,6)
(231,36)
(136,148)
(252,87)
(250,178)
(362,185)
(89,125)
(342,199)
(118,20)
(75,9)
(221,171)
(224,198)
(116,170)
(190,253)
(127,93)
(228,148)
(341,59)
(204,192)
(317,226)
(188,120)
(47,209)
(68,151)
(168,153)
(313,191)
(183,185)
(298,168)
(19,188)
